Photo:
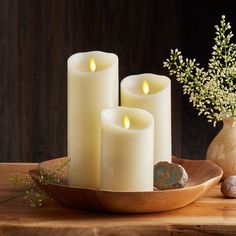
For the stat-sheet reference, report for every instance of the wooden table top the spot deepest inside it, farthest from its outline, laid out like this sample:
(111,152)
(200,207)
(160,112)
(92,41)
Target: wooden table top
(211,214)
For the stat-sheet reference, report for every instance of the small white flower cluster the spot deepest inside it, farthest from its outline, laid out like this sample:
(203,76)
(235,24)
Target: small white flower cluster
(212,92)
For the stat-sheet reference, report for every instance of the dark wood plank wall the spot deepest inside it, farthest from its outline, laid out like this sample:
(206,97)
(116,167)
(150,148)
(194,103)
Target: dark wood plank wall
(37,37)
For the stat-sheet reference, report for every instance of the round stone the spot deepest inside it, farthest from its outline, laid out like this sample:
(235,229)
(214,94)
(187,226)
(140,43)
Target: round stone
(228,187)
(169,176)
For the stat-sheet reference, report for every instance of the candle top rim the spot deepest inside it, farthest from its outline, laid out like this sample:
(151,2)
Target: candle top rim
(127,82)
(104,61)
(111,115)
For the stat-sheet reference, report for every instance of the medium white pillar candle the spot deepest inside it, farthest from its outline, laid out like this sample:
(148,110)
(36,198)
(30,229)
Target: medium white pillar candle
(92,87)
(127,149)
(152,93)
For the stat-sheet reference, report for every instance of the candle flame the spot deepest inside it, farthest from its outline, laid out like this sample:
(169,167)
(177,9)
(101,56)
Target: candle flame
(126,122)
(145,87)
(92,65)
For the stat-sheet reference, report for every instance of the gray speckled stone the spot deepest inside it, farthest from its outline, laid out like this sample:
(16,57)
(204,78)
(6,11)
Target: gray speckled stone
(228,187)
(169,176)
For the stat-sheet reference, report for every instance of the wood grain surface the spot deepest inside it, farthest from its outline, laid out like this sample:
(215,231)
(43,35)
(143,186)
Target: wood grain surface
(211,215)
(37,37)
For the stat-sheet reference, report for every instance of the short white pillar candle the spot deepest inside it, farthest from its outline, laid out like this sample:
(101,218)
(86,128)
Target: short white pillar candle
(152,93)
(127,149)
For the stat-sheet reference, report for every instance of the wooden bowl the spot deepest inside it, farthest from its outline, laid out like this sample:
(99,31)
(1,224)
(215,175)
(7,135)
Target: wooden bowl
(203,175)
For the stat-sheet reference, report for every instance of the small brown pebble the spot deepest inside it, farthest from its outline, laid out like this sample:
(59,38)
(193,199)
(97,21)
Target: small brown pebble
(228,187)
(169,176)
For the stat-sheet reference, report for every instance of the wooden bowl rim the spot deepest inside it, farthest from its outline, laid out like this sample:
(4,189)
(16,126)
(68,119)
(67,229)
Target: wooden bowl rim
(218,174)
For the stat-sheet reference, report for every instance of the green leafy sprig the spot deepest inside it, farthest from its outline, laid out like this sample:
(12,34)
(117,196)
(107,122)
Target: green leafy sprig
(212,92)
(32,192)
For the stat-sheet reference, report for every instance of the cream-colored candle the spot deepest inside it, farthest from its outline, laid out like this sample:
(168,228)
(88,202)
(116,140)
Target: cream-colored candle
(127,149)
(92,87)
(152,93)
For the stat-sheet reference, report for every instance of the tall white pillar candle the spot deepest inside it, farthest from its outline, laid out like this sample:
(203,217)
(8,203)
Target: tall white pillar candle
(127,149)
(152,93)
(92,87)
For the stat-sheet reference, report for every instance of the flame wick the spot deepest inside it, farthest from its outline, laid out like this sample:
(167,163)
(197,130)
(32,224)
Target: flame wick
(126,122)
(145,87)
(92,65)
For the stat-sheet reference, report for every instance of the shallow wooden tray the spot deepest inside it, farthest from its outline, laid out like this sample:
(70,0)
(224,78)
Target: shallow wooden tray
(203,175)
